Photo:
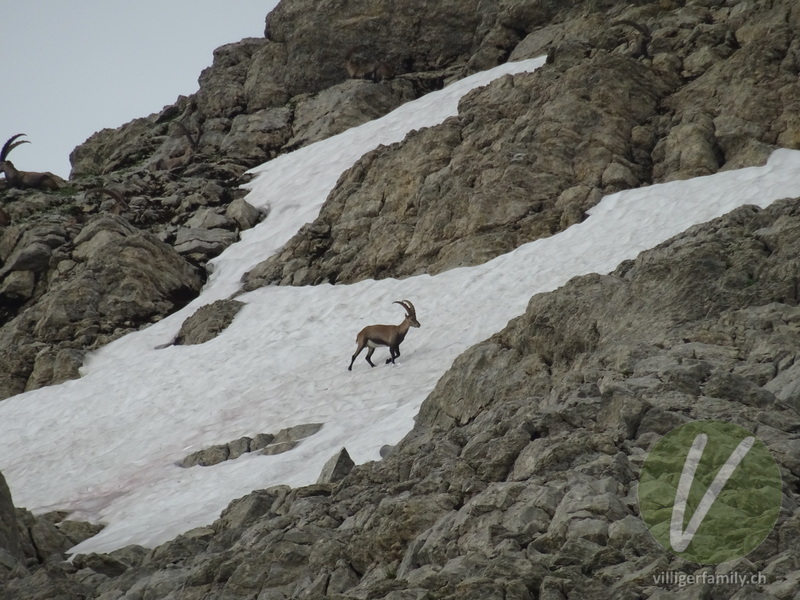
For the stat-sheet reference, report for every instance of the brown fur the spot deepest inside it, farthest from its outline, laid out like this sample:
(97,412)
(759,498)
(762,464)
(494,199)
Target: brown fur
(119,206)
(30,179)
(173,162)
(373,336)
(376,71)
(25,179)
(639,48)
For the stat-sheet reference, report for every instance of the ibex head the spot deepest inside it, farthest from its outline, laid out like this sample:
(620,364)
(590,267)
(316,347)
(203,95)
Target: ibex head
(411,313)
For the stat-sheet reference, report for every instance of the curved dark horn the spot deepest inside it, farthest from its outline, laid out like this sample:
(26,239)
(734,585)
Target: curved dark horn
(408,306)
(194,143)
(11,144)
(640,27)
(115,194)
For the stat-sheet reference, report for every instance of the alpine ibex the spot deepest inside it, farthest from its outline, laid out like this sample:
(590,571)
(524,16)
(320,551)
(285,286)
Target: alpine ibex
(376,71)
(25,179)
(119,206)
(173,162)
(375,336)
(639,48)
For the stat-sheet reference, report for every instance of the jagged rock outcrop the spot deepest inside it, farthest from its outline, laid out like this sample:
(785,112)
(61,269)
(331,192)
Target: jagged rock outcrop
(527,156)
(112,280)
(269,444)
(10,547)
(28,542)
(515,165)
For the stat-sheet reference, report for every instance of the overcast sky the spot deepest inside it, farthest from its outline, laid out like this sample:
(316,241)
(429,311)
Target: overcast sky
(72,68)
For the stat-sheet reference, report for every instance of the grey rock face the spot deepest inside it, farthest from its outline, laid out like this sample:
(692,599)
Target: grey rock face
(208,322)
(115,277)
(314,50)
(113,149)
(435,195)
(346,105)
(519,477)
(526,157)
(9,533)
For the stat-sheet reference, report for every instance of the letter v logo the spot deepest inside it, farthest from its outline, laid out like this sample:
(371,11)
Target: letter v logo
(719,476)
(678,538)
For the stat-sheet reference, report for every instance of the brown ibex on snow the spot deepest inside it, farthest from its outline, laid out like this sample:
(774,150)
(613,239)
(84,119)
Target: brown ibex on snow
(25,179)
(375,336)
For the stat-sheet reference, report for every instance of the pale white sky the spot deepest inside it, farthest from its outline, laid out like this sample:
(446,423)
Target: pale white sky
(73,68)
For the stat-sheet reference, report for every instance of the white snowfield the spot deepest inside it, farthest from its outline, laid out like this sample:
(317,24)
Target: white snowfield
(106,446)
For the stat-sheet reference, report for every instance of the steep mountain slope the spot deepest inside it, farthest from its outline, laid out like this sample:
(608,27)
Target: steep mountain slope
(519,477)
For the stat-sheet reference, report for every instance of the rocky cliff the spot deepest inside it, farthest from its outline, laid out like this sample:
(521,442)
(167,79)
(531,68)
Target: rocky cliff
(519,478)
(633,94)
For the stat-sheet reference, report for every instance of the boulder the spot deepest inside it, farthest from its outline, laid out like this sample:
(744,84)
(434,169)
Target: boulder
(208,322)
(336,468)
(18,285)
(203,243)
(9,530)
(244,214)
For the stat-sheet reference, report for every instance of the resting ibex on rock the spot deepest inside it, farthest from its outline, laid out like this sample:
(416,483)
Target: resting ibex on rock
(376,71)
(25,179)
(119,206)
(376,336)
(639,48)
(173,162)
